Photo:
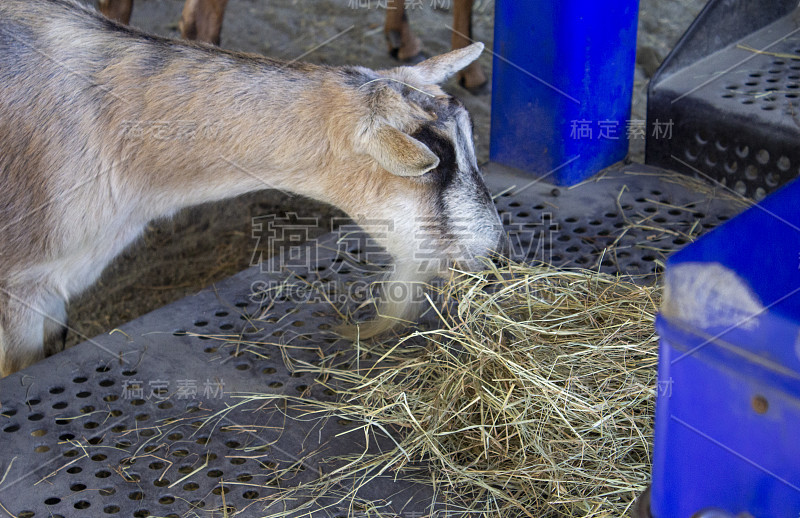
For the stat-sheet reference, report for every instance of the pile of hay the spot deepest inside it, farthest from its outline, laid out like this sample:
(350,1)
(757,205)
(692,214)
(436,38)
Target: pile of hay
(535,398)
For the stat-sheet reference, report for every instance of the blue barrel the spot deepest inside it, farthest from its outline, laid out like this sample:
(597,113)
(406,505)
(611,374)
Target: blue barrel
(562,81)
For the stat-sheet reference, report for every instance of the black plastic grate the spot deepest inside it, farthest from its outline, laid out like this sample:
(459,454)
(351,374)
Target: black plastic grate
(115,426)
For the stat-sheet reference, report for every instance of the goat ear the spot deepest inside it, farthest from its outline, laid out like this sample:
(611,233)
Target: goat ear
(437,69)
(401,154)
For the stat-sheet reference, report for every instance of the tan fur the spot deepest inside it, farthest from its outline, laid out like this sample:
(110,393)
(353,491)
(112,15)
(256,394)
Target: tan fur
(103,128)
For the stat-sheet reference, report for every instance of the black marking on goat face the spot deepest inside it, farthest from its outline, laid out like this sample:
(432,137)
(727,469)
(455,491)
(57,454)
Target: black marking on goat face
(443,148)
(461,198)
(444,180)
(462,205)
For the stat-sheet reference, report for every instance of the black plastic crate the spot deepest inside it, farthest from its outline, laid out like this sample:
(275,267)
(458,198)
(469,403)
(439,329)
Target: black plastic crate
(725,104)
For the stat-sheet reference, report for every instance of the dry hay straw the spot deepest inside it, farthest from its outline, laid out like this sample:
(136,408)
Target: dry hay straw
(534,398)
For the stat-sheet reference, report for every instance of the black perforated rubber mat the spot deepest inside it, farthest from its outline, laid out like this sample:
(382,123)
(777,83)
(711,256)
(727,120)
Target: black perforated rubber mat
(153,391)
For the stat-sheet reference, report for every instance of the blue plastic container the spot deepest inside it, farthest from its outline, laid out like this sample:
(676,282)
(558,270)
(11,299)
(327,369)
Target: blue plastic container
(728,406)
(562,80)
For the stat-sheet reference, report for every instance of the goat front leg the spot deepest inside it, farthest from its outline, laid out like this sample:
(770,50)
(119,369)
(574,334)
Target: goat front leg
(472,78)
(202,20)
(117,10)
(403,44)
(32,326)
(21,333)
(55,326)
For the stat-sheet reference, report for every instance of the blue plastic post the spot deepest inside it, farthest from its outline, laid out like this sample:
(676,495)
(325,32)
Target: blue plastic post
(562,80)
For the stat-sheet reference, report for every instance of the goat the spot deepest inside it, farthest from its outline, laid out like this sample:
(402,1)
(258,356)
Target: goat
(77,185)
(202,20)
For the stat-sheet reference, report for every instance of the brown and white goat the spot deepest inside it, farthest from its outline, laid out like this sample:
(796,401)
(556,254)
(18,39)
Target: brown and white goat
(77,185)
(202,20)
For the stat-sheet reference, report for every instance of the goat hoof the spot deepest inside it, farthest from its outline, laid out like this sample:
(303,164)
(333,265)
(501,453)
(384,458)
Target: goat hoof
(395,41)
(473,79)
(407,51)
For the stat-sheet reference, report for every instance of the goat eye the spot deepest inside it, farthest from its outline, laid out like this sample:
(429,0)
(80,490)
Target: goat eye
(433,115)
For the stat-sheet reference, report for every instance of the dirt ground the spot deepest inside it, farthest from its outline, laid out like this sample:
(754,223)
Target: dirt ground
(208,243)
